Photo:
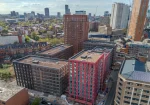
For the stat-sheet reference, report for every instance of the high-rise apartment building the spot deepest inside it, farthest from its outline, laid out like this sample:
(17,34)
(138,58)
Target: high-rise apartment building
(88,70)
(137,20)
(119,16)
(47,12)
(42,74)
(133,85)
(76,29)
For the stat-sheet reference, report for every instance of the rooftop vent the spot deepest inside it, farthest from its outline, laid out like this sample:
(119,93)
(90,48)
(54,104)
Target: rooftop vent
(84,57)
(35,61)
(1,90)
(57,62)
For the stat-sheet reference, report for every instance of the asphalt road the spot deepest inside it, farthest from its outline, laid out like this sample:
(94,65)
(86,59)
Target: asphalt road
(111,94)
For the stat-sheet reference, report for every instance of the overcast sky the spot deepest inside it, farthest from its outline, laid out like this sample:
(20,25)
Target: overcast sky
(55,6)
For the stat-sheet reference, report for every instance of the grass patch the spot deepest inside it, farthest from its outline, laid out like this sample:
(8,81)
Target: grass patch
(6,72)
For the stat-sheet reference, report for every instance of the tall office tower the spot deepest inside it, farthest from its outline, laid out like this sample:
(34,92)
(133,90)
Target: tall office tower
(17,14)
(90,15)
(58,14)
(32,12)
(13,13)
(133,85)
(106,13)
(76,31)
(119,16)
(46,12)
(67,10)
(25,14)
(88,70)
(138,19)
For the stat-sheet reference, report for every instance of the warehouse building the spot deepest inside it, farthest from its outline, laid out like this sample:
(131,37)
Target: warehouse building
(43,74)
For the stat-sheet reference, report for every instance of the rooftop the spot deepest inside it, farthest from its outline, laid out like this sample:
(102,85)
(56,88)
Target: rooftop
(137,43)
(55,50)
(9,91)
(43,61)
(136,70)
(91,55)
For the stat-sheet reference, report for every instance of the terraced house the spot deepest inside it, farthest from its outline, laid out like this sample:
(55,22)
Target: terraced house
(20,50)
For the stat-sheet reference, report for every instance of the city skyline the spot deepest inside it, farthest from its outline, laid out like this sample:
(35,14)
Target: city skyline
(55,6)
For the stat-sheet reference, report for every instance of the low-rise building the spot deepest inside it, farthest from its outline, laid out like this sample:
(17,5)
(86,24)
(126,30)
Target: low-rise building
(20,50)
(135,48)
(104,20)
(133,86)
(60,51)
(44,74)
(13,95)
(107,30)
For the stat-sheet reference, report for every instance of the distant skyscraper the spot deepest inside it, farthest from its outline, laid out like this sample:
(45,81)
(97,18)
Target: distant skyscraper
(47,12)
(25,14)
(106,13)
(13,13)
(80,12)
(58,14)
(32,12)
(148,13)
(67,10)
(90,14)
(138,19)
(76,30)
(119,16)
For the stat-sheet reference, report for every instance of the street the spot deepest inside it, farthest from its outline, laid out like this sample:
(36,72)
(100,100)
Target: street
(111,94)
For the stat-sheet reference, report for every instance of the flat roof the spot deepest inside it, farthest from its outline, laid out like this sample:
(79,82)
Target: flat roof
(91,55)
(135,70)
(9,91)
(55,50)
(43,61)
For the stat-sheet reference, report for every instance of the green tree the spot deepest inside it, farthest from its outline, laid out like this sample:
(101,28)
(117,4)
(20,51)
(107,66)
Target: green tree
(36,101)
(27,39)
(35,36)
(5,31)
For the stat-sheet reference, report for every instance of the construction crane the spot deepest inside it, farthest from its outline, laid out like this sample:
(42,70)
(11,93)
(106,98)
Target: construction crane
(95,13)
